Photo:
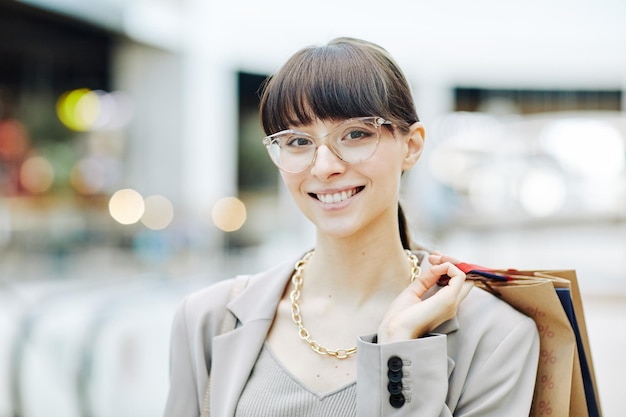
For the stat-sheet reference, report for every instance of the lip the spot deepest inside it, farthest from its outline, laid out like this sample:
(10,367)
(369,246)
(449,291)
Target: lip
(336,197)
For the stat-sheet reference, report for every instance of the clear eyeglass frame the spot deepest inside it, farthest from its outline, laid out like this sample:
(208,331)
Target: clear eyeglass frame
(354,140)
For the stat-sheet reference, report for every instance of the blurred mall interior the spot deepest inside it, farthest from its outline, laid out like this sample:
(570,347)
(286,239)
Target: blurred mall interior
(132,170)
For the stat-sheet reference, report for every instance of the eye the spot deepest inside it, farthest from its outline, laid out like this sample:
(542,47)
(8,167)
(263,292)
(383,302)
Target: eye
(298,142)
(357,134)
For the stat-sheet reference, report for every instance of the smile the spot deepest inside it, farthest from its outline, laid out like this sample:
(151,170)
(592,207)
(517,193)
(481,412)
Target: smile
(337,197)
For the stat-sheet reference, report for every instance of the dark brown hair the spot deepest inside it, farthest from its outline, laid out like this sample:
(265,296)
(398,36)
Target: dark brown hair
(343,79)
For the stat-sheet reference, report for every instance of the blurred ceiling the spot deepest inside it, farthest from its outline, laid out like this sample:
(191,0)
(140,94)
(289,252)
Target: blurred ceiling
(569,43)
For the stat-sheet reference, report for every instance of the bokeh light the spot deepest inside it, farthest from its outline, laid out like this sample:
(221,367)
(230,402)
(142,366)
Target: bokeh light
(84,110)
(126,206)
(159,212)
(542,192)
(118,110)
(13,139)
(36,175)
(488,190)
(229,214)
(591,148)
(78,109)
(88,176)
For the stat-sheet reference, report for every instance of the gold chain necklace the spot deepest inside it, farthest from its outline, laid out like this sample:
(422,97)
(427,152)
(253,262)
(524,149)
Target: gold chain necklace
(297,317)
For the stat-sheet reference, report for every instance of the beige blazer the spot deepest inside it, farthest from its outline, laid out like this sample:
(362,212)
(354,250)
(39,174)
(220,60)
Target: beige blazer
(481,363)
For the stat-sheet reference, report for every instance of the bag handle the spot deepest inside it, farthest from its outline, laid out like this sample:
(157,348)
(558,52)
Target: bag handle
(484,276)
(228,323)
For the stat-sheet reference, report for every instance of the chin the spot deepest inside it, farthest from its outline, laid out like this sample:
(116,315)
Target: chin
(340,229)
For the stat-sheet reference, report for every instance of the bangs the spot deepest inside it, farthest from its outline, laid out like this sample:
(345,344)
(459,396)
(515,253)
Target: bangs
(333,82)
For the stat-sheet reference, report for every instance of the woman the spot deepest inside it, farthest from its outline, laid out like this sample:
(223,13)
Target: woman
(356,327)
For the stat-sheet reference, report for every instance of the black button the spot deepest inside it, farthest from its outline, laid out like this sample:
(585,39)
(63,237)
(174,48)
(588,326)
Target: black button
(395,376)
(396,401)
(394,363)
(394,388)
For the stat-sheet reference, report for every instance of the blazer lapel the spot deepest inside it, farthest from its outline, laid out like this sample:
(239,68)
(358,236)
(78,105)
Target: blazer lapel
(234,355)
(235,352)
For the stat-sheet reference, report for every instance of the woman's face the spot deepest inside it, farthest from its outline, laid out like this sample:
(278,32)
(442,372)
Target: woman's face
(344,199)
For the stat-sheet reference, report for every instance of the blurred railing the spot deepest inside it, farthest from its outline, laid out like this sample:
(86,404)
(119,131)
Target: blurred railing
(85,348)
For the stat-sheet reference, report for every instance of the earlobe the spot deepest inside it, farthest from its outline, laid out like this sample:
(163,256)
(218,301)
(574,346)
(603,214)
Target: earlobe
(415,144)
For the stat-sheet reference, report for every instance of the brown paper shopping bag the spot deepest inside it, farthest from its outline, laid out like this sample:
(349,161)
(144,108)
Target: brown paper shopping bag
(565,384)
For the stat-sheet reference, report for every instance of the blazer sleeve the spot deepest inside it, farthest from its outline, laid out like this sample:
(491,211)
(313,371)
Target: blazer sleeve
(504,384)
(488,374)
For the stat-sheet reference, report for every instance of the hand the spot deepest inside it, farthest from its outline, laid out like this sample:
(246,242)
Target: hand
(410,317)
(436,258)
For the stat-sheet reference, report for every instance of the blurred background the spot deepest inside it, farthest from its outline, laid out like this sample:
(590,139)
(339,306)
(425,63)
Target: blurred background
(132,170)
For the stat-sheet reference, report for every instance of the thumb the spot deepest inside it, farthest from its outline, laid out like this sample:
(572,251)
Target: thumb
(429,277)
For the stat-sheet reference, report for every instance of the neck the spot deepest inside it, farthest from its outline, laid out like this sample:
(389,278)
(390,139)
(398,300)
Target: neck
(358,269)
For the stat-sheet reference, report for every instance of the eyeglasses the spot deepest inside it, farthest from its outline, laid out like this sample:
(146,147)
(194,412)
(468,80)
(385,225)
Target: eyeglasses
(353,141)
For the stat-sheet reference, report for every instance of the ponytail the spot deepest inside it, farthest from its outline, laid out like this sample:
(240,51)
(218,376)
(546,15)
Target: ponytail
(405,236)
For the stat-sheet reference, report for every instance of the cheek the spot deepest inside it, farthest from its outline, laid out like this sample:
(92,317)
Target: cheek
(391,162)
(291,181)
(286,177)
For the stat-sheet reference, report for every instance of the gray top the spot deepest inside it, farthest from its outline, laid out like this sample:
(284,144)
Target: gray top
(273,391)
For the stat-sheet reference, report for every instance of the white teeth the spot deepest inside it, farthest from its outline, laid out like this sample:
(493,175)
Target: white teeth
(336,197)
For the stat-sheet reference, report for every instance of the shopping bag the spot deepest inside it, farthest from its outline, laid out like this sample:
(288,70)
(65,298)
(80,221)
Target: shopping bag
(565,384)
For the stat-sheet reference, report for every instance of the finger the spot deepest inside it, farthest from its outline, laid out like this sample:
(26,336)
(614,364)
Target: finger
(449,269)
(442,306)
(423,282)
(454,277)
(437,258)
(429,277)
(465,290)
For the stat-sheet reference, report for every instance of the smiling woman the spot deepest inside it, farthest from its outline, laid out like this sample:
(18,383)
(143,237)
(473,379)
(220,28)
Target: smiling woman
(357,326)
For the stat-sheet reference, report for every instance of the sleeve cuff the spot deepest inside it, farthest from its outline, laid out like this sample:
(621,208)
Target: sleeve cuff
(424,376)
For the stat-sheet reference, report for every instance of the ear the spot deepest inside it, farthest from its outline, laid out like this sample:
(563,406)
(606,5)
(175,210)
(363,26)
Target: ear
(414,145)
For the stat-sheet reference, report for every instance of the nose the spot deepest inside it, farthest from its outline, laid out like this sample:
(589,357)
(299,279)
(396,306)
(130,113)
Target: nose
(326,163)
